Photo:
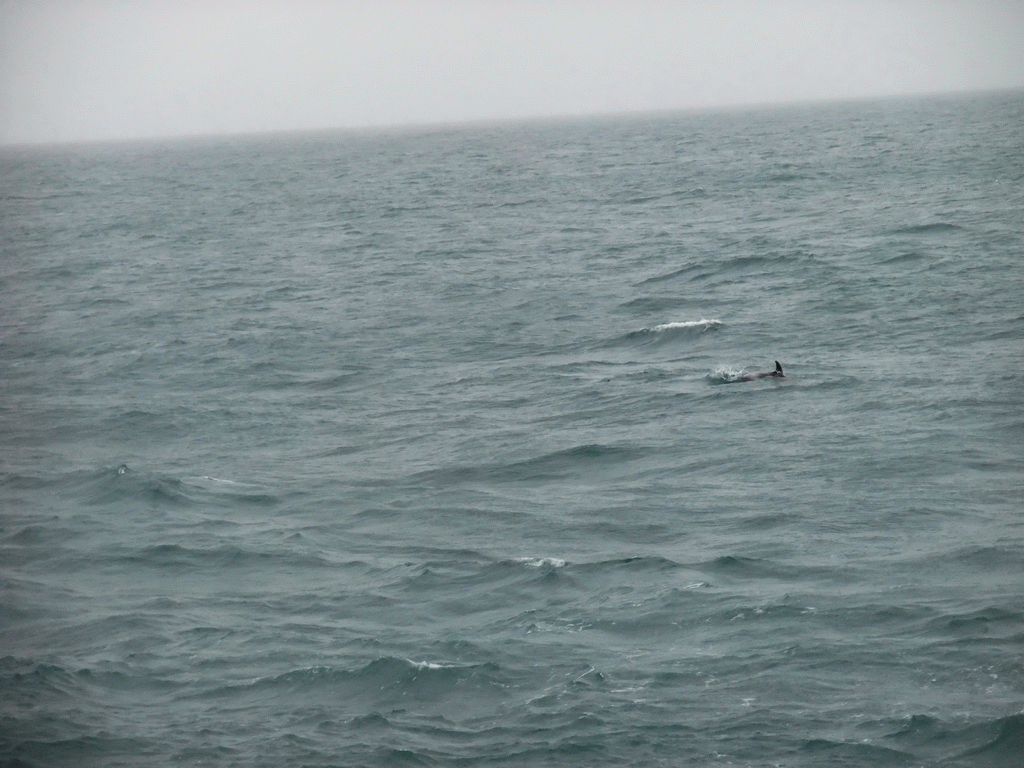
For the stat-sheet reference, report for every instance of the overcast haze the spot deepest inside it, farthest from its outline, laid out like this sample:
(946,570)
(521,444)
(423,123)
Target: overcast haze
(109,69)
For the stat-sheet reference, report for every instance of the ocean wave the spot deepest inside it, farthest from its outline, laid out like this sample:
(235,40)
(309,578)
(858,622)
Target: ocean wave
(725,374)
(333,382)
(175,556)
(32,677)
(834,752)
(906,257)
(667,276)
(703,324)
(547,466)
(121,486)
(935,228)
(541,562)
(1002,741)
(651,563)
(697,193)
(668,332)
(759,257)
(384,684)
(994,742)
(991,623)
(736,565)
(473,583)
(650,305)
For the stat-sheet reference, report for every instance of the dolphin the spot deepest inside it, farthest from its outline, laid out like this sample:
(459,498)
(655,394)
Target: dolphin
(777,374)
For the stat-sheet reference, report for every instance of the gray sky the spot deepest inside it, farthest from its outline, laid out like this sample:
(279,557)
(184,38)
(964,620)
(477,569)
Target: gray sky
(107,69)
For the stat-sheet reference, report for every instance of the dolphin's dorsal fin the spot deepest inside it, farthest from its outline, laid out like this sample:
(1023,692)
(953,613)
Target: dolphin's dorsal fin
(778,367)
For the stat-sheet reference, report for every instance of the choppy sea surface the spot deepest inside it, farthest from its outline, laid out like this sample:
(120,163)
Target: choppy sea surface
(428,448)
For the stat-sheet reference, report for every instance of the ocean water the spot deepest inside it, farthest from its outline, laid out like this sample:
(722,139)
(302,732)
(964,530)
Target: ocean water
(425,447)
